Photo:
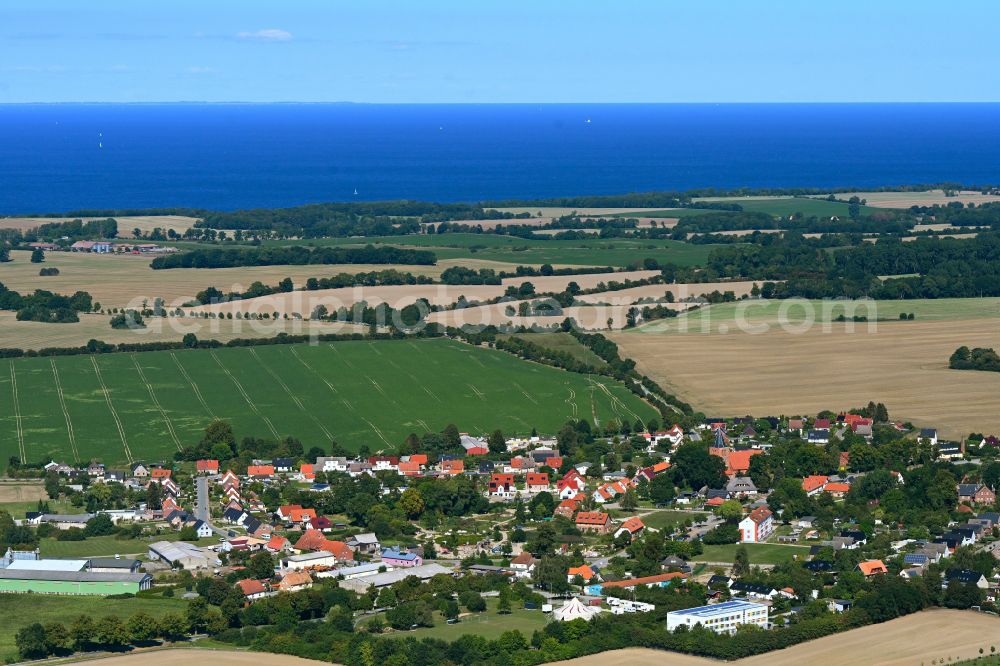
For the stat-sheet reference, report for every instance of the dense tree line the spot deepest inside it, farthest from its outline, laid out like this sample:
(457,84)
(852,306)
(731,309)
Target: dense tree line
(295,255)
(73,230)
(378,218)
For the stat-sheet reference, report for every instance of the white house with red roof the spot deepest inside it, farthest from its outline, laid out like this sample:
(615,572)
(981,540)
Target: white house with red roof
(757,526)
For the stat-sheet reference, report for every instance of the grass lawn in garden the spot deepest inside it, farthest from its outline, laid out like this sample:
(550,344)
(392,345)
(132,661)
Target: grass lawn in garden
(667,519)
(760,553)
(489,624)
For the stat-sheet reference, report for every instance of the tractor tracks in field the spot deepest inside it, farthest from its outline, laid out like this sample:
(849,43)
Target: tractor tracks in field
(242,392)
(17,414)
(288,391)
(194,387)
(111,408)
(65,411)
(156,402)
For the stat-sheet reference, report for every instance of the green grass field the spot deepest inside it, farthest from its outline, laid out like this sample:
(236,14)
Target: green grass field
(778,207)
(590,252)
(563,342)
(667,519)
(19,610)
(489,624)
(760,553)
(358,392)
(105,546)
(797,311)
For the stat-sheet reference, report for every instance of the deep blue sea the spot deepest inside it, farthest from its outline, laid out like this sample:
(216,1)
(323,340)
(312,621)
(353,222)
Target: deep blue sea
(63,157)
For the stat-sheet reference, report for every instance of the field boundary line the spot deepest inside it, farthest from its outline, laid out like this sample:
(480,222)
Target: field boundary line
(111,407)
(291,395)
(194,387)
(156,402)
(65,411)
(242,391)
(17,414)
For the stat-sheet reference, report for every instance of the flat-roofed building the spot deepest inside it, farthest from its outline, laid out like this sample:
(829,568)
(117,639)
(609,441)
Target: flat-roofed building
(423,572)
(721,618)
(72,582)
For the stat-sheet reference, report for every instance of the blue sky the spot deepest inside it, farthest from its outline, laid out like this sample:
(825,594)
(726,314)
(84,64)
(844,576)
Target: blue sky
(490,51)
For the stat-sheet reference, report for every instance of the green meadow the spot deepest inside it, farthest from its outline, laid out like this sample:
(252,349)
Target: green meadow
(146,406)
(730,317)
(617,252)
(778,207)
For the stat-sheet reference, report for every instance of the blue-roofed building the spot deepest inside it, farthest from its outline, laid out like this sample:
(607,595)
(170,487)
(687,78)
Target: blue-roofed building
(722,618)
(915,559)
(395,558)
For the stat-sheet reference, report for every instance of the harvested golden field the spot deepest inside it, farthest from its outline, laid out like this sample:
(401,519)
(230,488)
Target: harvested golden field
(928,198)
(903,364)
(37,335)
(145,223)
(397,296)
(22,492)
(115,280)
(680,291)
(931,635)
(587,317)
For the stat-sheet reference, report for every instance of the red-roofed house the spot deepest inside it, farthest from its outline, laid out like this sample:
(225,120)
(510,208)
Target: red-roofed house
(555,462)
(821,424)
(409,468)
(260,471)
(757,526)
(452,467)
(419,458)
(207,466)
(814,484)
(593,521)
(502,485)
(230,478)
(567,508)
(384,463)
(537,482)
(160,473)
(307,472)
(321,523)
(634,526)
(294,513)
(872,568)
(252,589)
(278,544)
(570,485)
(584,571)
(314,540)
(837,489)
(295,581)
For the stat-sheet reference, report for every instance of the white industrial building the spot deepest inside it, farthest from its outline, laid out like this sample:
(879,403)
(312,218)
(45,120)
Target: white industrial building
(182,554)
(722,618)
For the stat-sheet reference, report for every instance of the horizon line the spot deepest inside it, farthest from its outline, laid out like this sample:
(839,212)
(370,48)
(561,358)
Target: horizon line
(522,103)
